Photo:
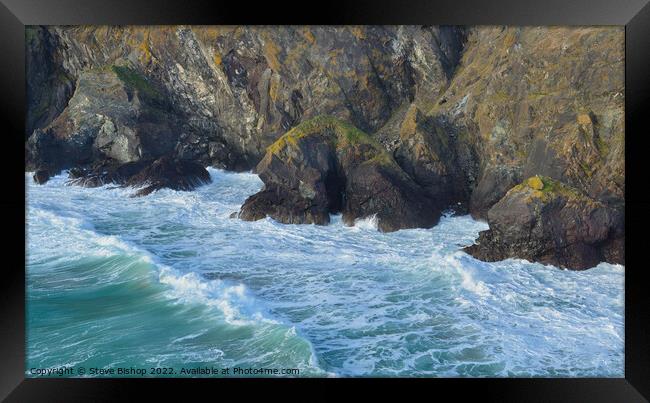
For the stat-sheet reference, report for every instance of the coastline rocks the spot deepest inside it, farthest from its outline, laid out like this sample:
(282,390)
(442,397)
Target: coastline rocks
(381,188)
(41,176)
(169,173)
(240,88)
(426,151)
(325,166)
(149,176)
(115,113)
(463,115)
(104,172)
(491,187)
(544,220)
(301,175)
(540,101)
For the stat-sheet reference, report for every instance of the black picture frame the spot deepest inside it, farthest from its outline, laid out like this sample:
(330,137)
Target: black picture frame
(634,14)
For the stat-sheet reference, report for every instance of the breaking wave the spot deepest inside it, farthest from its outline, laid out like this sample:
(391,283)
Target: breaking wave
(169,279)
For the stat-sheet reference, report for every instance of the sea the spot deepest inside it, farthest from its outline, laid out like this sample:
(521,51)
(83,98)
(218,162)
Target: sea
(169,285)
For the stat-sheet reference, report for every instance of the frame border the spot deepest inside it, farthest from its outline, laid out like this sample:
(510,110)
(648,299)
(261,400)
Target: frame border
(634,14)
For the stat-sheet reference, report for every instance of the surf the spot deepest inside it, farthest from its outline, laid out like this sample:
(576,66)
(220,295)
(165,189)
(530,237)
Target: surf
(172,280)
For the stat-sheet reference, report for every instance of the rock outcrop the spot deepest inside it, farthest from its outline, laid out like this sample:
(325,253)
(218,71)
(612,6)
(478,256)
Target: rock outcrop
(146,175)
(115,113)
(546,221)
(325,166)
(539,101)
(456,117)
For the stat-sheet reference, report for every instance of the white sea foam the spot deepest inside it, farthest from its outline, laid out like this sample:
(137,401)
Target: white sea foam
(353,300)
(71,236)
(231,300)
(367,223)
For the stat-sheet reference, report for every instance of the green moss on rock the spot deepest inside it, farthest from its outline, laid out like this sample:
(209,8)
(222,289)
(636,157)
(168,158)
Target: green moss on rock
(545,189)
(135,80)
(344,134)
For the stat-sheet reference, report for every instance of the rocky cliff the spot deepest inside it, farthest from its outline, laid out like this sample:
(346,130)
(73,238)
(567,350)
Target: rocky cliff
(398,122)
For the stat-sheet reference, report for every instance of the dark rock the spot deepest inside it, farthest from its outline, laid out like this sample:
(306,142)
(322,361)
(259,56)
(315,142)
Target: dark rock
(49,86)
(325,166)
(283,206)
(301,176)
(546,221)
(385,191)
(493,185)
(41,176)
(104,172)
(427,153)
(150,176)
(167,172)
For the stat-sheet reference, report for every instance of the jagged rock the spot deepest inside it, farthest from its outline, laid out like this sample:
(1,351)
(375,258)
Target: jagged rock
(491,187)
(114,113)
(41,176)
(427,153)
(169,173)
(546,221)
(104,172)
(49,86)
(244,88)
(380,188)
(325,166)
(148,175)
(466,113)
(301,176)
(539,100)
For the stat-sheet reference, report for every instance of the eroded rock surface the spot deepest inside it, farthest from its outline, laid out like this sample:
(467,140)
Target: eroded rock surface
(455,117)
(147,175)
(115,113)
(546,221)
(238,89)
(325,166)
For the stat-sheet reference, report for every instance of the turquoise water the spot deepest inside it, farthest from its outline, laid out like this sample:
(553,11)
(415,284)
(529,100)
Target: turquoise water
(170,281)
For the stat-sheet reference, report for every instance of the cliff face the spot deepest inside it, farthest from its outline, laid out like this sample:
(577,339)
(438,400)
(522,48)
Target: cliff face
(546,101)
(464,115)
(237,89)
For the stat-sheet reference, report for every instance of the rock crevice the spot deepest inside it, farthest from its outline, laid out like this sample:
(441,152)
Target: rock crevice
(325,166)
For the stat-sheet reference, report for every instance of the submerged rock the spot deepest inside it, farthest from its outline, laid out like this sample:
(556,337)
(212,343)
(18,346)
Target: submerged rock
(150,176)
(325,166)
(546,221)
(41,176)
(169,173)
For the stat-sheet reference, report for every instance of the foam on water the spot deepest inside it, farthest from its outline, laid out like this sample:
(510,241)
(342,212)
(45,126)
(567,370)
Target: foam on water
(367,223)
(195,287)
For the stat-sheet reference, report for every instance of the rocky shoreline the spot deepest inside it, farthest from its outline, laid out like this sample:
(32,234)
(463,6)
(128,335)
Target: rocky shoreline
(325,166)
(522,127)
